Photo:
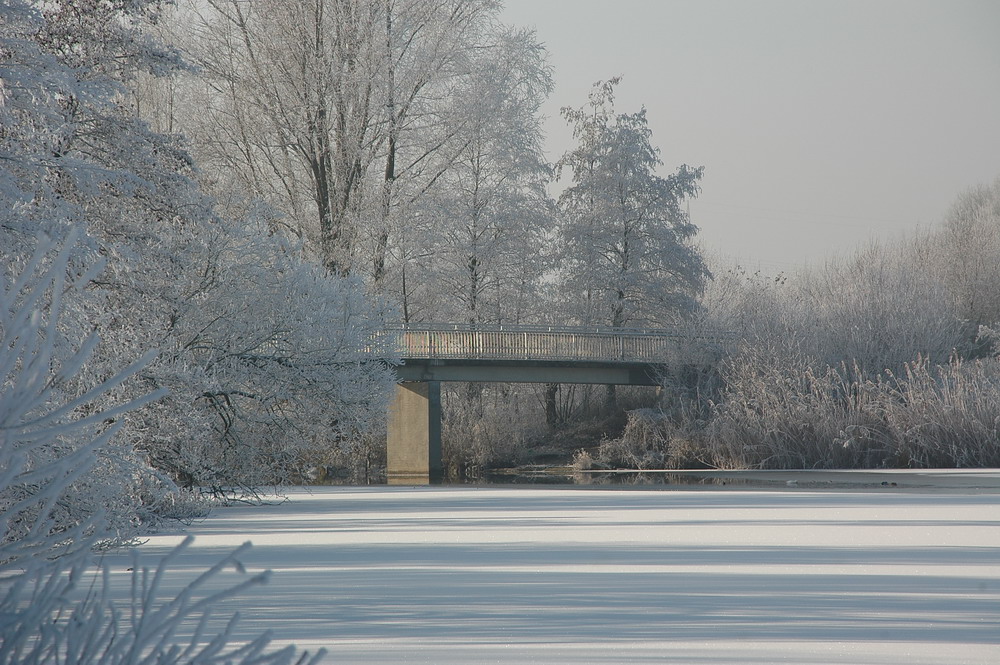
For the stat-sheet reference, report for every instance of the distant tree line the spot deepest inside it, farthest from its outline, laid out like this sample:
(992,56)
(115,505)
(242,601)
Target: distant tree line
(886,358)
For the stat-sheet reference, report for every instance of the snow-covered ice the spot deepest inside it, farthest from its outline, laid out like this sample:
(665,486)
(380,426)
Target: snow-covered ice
(574,575)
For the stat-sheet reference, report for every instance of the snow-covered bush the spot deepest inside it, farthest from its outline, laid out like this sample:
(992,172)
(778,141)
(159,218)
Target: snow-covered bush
(50,424)
(274,360)
(789,415)
(946,415)
(859,363)
(922,416)
(653,440)
(879,309)
(266,359)
(54,606)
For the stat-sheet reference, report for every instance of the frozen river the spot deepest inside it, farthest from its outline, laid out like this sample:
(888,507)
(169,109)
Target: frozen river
(575,575)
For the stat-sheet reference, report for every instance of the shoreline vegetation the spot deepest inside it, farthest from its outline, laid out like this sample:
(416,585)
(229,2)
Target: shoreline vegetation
(767,416)
(979,481)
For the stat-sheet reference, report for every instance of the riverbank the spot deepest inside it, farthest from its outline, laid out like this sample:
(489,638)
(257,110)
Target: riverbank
(985,481)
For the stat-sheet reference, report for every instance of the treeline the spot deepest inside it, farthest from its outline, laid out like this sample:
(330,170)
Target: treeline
(883,359)
(400,143)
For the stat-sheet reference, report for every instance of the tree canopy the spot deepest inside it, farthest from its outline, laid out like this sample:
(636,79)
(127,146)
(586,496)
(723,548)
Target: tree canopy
(625,236)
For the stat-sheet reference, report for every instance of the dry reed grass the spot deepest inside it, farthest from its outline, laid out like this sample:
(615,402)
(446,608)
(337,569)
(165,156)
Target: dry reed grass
(794,417)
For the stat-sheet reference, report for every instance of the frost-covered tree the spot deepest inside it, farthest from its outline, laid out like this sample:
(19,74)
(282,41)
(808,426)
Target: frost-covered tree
(270,362)
(625,236)
(430,51)
(66,483)
(967,251)
(70,153)
(490,209)
(292,110)
(53,430)
(331,110)
(252,339)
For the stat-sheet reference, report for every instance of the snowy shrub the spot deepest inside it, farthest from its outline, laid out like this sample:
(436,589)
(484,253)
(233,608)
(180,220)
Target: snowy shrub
(485,427)
(825,364)
(61,613)
(788,415)
(269,362)
(55,432)
(924,416)
(266,359)
(652,440)
(54,607)
(879,309)
(946,416)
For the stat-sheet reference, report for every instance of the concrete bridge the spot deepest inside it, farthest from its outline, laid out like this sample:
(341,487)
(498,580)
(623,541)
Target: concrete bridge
(509,354)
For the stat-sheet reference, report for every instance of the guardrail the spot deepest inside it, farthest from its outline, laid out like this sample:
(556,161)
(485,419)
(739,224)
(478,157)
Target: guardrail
(501,342)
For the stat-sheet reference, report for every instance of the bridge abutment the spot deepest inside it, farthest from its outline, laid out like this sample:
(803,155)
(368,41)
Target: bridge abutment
(413,445)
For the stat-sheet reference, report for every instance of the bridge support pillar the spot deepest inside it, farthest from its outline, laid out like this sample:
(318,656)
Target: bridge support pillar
(413,445)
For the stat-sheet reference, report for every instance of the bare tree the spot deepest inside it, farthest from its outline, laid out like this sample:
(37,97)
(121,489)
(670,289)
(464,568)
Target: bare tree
(968,253)
(491,211)
(327,107)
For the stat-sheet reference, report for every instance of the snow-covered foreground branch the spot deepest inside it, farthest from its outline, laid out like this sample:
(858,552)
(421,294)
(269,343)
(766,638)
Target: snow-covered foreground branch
(54,427)
(472,575)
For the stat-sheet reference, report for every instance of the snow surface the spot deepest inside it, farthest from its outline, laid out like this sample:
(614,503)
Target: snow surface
(575,575)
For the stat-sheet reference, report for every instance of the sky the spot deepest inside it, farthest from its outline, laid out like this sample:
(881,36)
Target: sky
(822,125)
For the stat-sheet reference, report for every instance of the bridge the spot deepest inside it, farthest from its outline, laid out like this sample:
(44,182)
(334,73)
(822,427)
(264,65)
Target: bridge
(511,354)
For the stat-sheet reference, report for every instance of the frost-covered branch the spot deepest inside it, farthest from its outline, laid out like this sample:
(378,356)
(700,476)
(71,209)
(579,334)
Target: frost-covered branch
(55,608)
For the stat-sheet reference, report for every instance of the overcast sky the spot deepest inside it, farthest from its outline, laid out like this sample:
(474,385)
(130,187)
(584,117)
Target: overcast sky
(820,123)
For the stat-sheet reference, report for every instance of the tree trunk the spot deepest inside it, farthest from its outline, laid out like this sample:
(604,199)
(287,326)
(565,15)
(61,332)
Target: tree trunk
(611,398)
(551,410)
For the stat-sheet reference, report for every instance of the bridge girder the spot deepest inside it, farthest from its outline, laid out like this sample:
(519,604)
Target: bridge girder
(529,371)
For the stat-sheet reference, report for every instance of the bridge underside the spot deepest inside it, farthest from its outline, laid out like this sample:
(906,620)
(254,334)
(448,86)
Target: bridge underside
(529,371)
(413,447)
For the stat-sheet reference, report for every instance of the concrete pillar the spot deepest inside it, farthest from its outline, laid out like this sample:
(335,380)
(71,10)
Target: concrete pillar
(413,447)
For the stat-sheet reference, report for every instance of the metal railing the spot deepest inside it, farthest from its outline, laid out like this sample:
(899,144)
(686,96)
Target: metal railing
(503,342)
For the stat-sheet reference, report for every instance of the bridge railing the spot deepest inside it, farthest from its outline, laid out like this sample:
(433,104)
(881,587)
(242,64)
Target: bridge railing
(535,343)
